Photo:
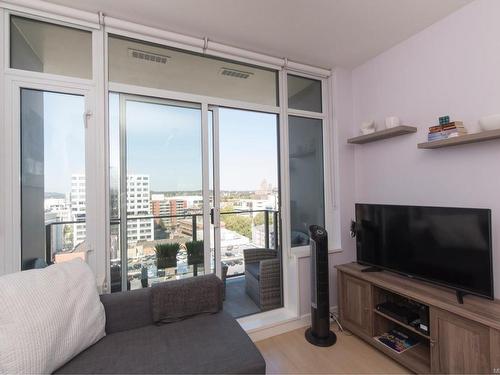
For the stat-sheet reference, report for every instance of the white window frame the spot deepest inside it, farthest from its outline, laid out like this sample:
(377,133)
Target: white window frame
(98,89)
(331,213)
(12,81)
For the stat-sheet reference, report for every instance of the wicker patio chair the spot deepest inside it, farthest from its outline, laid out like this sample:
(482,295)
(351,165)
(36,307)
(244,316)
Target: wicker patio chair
(263,277)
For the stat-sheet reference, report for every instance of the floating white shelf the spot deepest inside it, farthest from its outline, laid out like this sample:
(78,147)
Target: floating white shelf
(462,139)
(382,134)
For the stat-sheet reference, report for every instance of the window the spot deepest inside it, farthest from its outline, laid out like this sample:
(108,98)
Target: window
(47,48)
(306,157)
(304,94)
(53,209)
(306,177)
(144,64)
(161,141)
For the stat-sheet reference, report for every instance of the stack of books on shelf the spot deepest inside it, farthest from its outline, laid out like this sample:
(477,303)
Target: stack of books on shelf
(445,131)
(397,340)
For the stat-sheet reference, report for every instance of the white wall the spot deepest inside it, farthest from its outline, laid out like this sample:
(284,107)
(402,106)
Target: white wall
(451,68)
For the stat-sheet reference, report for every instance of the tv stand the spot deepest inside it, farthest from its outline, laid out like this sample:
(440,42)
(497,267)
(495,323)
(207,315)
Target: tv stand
(452,337)
(372,269)
(460,297)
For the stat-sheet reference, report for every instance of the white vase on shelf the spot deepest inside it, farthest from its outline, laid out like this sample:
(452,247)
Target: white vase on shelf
(491,122)
(391,122)
(367,127)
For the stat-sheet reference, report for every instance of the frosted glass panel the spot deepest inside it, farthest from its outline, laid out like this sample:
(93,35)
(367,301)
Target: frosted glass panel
(304,94)
(47,48)
(143,64)
(307,203)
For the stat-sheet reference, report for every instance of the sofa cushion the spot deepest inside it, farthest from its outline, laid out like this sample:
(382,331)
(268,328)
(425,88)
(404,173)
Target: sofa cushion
(175,300)
(127,310)
(254,269)
(47,317)
(203,344)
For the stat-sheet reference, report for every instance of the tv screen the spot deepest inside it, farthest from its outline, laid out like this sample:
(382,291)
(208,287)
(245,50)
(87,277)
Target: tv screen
(447,246)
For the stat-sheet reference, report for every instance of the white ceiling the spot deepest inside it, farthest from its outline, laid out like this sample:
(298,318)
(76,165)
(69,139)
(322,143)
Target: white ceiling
(324,33)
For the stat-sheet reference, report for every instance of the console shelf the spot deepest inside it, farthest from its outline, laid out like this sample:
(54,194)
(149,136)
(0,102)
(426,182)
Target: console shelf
(417,356)
(475,323)
(382,134)
(406,326)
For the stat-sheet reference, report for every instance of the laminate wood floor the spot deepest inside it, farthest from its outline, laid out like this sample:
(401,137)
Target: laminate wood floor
(290,353)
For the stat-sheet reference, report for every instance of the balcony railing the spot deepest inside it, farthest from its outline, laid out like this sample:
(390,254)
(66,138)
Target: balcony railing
(56,243)
(236,234)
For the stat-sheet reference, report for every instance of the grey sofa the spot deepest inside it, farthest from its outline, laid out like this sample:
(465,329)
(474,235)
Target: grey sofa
(263,277)
(201,343)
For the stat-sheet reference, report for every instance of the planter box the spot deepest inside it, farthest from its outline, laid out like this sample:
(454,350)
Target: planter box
(166,262)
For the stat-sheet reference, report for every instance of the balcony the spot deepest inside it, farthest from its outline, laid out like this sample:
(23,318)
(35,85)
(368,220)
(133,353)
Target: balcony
(239,230)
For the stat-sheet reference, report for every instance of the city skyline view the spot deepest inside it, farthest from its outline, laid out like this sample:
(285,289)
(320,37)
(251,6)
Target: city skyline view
(164,176)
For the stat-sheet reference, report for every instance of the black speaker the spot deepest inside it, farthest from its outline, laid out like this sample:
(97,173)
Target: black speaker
(319,334)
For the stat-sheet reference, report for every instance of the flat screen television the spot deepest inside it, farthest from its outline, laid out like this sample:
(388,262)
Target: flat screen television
(447,246)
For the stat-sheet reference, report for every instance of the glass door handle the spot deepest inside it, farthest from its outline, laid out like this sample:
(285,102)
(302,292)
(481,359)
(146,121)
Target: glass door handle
(215,217)
(86,117)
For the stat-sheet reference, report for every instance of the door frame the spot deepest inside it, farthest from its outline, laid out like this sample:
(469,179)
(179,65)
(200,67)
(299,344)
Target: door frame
(123,99)
(214,108)
(209,213)
(208,104)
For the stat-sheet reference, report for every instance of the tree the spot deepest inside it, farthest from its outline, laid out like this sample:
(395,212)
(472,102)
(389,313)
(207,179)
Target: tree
(237,222)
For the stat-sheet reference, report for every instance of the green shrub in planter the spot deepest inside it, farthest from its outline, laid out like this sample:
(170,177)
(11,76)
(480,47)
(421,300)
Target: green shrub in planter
(166,254)
(194,252)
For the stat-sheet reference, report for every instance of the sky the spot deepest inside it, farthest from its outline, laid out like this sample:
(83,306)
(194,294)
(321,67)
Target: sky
(64,137)
(164,142)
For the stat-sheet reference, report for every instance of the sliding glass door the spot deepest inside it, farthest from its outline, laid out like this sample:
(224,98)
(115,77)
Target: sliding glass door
(162,196)
(246,208)
(156,191)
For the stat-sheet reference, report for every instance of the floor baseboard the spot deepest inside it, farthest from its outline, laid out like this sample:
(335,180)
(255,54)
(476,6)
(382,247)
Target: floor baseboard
(286,326)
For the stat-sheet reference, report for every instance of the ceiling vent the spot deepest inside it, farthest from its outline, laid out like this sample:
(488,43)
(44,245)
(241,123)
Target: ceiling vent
(235,73)
(148,56)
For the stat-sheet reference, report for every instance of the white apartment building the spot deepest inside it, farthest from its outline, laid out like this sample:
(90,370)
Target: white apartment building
(138,204)
(256,204)
(58,208)
(78,207)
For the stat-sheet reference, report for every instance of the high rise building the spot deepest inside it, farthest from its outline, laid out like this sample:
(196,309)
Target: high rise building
(138,204)
(78,207)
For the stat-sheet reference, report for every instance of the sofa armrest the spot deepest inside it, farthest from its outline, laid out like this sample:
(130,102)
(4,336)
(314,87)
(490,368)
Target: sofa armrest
(179,299)
(127,310)
(256,255)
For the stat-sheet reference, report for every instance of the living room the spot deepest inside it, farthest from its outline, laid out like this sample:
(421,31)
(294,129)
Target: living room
(178,173)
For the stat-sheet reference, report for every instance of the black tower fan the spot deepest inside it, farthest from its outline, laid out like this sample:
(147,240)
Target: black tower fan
(319,334)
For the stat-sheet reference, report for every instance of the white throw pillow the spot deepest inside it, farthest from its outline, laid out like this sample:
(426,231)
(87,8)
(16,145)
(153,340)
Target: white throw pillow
(48,316)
